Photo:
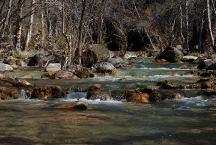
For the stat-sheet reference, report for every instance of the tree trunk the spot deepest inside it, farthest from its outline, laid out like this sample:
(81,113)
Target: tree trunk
(5,24)
(187,23)
(181,23)
(42,23)
(210,24)
(79,49)
(30,29)
(63,18)
(18,32)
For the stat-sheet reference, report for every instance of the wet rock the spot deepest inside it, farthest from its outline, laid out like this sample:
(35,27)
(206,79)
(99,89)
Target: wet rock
(212,66)
(212,104)
(48,75)
(167,85)
(7,93)
(94,91)
(171,54)
(117,62)
(47,92)
(136,96)
(20,62)
(79,105)
(9,60)
(208,73)
(5,67)
(77,68)
(189,58)
(65,75)
(104,67)
(53,67)
(85,74)
(204,63)
(206,83)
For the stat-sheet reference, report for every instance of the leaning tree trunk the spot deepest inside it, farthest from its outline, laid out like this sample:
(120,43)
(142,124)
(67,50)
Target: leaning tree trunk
(210,24)
(30,29)
(79,49)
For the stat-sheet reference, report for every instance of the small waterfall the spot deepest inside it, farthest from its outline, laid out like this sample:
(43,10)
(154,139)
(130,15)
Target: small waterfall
(23,94)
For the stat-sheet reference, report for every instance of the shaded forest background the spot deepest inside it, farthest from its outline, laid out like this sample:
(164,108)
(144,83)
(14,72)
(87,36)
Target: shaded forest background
(69,27)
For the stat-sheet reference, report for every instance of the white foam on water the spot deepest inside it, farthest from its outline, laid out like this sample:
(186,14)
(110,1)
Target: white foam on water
(107,78)
(96,101)
(197,101)
(161,68)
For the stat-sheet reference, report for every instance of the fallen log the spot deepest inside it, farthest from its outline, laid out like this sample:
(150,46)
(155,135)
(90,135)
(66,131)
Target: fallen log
(15,82)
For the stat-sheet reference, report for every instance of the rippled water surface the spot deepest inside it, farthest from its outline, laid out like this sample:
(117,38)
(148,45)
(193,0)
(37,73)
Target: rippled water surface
(190,120)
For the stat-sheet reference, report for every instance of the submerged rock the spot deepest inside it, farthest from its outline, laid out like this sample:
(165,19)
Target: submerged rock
(5,67)
(171,54)
(7,93)
(47,92)
(79,105)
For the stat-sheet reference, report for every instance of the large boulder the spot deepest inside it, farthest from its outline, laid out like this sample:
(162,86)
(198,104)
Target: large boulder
(206,83)
(5,67)
(7,93)
(53,67)
(171,54)
(104,67)
(47,92)
(212,66)
(65,75)
(117,61)
(37,60)
(137,97)
(204,63)
(93,91)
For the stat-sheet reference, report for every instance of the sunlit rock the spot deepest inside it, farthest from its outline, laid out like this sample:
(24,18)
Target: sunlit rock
(79,105)
(5,67)
(94,91)
(47,92)
(7,93)
(53,67)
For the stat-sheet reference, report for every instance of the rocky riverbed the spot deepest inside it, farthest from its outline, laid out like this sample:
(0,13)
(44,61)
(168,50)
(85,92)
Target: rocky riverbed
(135,101)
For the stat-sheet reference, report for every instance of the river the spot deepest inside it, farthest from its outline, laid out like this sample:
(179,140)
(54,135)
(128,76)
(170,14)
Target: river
(189,120)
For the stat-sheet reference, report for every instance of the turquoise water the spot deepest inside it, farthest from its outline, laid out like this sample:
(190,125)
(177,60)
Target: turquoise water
(189,120)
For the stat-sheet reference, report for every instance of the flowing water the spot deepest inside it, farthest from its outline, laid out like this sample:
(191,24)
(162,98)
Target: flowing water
(189,120)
